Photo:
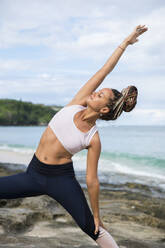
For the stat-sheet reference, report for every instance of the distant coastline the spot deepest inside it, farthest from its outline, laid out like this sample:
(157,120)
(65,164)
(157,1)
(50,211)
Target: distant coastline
(21,113)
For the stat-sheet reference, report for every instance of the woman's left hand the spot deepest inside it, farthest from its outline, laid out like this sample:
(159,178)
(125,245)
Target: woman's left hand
(98,223)
(132,38)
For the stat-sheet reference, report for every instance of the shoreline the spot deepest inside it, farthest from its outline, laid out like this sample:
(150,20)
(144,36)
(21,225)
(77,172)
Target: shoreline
(21,163)
(15,157)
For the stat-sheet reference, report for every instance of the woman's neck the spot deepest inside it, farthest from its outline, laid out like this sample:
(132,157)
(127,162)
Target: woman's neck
(89,116)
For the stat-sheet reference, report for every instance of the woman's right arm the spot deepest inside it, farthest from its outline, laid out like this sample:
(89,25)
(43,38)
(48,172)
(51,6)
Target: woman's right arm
(93,83)
(114,58)
(130,40)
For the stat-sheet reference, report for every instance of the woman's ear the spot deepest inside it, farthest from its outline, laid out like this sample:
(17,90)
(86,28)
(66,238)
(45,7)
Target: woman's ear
(105,110)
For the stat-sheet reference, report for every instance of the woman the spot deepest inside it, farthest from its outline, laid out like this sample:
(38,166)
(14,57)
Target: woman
(72,129)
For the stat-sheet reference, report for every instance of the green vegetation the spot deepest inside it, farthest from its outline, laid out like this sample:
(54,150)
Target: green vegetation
(19,113)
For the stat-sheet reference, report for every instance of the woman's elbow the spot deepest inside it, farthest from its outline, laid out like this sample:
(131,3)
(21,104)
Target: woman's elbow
(92,181)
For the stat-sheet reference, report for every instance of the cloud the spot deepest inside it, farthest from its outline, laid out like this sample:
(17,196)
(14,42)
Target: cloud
(142,117)
(9,65)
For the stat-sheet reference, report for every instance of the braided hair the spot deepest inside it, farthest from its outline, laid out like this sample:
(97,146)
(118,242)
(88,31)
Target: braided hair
(122,101)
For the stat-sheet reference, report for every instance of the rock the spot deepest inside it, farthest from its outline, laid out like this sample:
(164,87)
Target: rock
(17,220)
(132,216)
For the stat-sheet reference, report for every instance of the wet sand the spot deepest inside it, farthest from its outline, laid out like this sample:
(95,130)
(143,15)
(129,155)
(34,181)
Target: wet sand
(15,157)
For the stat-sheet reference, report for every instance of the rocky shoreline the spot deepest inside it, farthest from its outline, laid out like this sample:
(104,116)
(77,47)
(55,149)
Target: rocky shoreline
(133,215)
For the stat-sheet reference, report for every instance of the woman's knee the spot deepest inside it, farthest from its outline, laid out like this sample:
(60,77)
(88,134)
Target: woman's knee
(88,226)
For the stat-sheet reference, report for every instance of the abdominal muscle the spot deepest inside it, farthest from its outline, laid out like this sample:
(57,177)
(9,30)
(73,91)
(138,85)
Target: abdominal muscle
(50,150)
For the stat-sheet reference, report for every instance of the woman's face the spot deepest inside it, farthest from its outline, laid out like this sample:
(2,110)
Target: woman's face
(98,100)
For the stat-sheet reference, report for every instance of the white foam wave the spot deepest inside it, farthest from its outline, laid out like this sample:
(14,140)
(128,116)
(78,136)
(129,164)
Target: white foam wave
(132,171)
(23,150)
(107,166)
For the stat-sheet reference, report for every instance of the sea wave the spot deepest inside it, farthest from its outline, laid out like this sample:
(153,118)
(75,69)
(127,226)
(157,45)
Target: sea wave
(134,164)
(123,164)
(135,159)
(16,148)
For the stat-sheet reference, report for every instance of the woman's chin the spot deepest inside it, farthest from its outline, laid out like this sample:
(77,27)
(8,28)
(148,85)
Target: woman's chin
(88,100)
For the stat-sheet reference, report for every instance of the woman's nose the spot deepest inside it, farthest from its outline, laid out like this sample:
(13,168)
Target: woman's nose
(95,94)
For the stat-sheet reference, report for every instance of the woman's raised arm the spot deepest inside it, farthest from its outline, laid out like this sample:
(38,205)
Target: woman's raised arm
(130,40)
(93,83)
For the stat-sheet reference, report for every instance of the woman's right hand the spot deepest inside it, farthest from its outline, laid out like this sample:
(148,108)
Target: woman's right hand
(132,38)
(98,223)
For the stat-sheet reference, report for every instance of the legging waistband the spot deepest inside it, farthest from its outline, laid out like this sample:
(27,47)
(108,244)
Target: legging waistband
(55,169)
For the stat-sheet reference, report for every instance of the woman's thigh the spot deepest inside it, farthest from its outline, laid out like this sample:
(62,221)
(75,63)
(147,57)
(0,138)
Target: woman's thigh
(19,185)
(68,192)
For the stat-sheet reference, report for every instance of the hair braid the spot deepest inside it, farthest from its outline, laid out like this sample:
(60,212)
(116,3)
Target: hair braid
(127,102)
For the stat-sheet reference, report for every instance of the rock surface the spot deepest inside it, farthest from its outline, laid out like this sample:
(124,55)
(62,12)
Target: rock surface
(134,218)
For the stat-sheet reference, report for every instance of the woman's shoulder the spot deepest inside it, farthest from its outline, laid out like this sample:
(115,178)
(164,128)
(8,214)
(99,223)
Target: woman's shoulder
(74,106)
(76,102)
(95,144)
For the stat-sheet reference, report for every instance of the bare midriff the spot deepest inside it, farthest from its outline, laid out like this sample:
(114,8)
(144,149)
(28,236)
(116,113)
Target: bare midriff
(50,150)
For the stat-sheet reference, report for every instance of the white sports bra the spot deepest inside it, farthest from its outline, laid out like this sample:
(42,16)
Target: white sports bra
(66,131)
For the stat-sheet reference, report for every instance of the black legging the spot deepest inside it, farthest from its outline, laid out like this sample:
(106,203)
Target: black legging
(56,181)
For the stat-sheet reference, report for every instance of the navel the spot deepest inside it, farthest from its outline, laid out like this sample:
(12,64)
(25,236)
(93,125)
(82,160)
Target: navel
(45,158)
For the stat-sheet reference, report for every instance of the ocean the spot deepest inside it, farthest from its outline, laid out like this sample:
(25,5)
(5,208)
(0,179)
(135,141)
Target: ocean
(130,154)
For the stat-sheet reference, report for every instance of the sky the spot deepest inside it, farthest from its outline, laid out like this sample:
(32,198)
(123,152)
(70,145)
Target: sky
(50,49)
